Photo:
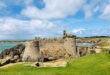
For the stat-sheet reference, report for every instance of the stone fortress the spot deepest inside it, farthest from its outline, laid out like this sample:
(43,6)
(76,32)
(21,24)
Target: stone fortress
(46,49)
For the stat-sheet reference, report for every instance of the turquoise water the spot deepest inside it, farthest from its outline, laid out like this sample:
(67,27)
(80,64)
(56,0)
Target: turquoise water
(84,44)
(6,45)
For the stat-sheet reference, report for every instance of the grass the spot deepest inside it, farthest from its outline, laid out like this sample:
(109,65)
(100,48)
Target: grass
(95,64)
(94,37)
(105,49)
(105,44)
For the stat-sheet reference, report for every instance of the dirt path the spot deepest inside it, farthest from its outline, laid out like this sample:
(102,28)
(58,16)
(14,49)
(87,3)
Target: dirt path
(11,64)
(58,63)
(107,47)
(55,64)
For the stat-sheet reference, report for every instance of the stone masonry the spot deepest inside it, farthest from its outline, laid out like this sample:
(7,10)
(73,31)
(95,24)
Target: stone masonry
(51,48)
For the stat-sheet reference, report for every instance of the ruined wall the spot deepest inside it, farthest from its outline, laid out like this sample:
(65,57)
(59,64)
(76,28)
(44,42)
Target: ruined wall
(51,48)
(32,51)
(55,48)
(50,42)
(70,46)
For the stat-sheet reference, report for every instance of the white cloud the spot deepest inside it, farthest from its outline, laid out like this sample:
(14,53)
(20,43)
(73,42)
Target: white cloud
(88,12)
(54,9)
(93,6)
(106,13)
(16,29)
(2,5)
(28,2)
(78,31)
(109,1)
(96,9)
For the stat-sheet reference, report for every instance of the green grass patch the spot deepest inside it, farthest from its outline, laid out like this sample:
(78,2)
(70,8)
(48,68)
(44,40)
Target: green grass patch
(95,64)
(105,44)
(105,49)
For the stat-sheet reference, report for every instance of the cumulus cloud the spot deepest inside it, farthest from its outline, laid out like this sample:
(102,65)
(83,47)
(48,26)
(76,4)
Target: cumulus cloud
(93,6)
(40,24)
(54,9)
(28,2)
(88,12)
(96,9)
(2,5)
(106,13)
(78,31)
(26,29)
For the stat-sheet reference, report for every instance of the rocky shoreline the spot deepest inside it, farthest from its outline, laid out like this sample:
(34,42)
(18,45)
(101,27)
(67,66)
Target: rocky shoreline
(88,40)
(12,55)
(15,54)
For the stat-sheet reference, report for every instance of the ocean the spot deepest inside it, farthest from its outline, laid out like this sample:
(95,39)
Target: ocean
(6,45)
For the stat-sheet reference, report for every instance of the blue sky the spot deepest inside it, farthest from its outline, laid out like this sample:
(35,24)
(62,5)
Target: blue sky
(25,19)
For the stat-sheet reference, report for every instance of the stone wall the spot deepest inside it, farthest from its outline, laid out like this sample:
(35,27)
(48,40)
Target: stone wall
(70,46)
(51,48)
(50,42)
(56,48)
(32,51)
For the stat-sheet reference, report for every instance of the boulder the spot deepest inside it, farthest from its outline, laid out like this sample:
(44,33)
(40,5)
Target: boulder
(5,62)
(83,50)
(13,53)
(92,51)
(106,51)
(16,57)
(39,64)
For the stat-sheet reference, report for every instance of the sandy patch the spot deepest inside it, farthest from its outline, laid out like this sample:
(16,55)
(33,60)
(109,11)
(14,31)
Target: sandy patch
(11,64)
(55,64)
(98,50)
(107,47)
(50,64)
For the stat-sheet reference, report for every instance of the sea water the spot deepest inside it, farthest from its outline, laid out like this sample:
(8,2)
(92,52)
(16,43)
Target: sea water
(7,45)
(84,44)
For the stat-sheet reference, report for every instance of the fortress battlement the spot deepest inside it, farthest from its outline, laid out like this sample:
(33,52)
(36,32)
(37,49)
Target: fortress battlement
(53,48)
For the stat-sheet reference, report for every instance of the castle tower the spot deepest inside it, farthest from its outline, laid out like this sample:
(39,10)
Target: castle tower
(70,45)
(32,51)
(64,34)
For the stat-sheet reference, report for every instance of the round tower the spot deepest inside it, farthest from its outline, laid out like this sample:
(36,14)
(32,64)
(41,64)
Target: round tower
(31,52)
(70,45)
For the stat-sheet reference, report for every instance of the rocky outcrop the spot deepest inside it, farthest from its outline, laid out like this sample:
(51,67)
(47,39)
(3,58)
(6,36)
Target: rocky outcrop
(106,51)
(88,40)
(83,50)
(12,55)
(54,53)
